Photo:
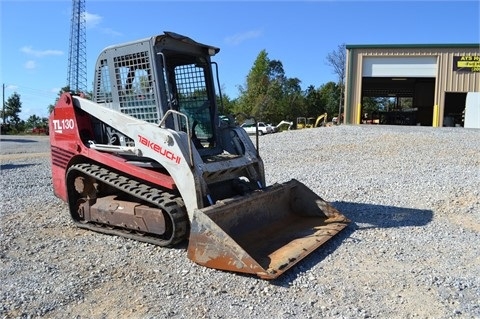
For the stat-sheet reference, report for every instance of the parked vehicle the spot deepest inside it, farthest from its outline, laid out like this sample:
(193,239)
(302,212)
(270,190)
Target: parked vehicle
(272,127)
(279,125)
(303,122)
(262,128)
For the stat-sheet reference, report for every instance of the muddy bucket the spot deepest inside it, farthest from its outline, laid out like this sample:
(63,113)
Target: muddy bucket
(264,233)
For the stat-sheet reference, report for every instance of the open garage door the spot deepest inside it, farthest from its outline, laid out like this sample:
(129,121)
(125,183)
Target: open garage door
(454,108)
(398,90)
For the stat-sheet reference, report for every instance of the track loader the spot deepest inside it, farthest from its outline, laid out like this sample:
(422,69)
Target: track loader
(150,158)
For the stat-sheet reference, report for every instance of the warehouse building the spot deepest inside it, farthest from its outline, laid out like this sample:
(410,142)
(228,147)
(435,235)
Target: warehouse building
(410,84)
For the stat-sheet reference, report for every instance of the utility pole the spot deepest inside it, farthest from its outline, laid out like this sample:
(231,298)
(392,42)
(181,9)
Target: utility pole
(3,104)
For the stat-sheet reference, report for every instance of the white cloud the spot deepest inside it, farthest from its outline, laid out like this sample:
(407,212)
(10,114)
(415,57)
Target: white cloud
(38,53)
(30,65)
(241,37)
(109,31)
(92,19)
(11,87)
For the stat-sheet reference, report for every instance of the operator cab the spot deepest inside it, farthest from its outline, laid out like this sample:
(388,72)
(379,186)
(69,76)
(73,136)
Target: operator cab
(189,93)
(148,78)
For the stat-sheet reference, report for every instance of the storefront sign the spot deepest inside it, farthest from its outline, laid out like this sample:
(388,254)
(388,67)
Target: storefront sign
(466,63)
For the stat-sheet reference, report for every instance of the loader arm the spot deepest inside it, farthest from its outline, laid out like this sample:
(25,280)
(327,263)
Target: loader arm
(171,149)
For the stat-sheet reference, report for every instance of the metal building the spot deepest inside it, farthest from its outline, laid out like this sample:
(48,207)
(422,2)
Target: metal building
(410,84)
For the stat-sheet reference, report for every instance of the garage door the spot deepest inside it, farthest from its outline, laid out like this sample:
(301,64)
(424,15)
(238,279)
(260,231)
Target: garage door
(400,67)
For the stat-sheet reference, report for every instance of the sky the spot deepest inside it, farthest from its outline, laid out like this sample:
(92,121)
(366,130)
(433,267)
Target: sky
(34,45)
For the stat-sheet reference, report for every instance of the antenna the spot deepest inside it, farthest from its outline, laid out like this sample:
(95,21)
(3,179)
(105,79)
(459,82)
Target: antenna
(77,58)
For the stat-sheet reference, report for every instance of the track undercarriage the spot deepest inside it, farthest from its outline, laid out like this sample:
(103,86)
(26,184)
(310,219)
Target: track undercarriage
(110,203)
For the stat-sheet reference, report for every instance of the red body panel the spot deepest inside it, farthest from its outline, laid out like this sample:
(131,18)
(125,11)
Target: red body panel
(70,127)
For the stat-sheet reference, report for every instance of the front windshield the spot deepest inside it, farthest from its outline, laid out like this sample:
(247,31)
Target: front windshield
(191,93)
(193,101)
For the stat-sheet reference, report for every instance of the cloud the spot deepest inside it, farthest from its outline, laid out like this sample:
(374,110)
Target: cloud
(92,20)
(30,65)
(38,53)
(109,31)
(11,87)
(241,37)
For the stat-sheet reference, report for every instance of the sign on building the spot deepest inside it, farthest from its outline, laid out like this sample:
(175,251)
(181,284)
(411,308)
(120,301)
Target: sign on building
(467,63)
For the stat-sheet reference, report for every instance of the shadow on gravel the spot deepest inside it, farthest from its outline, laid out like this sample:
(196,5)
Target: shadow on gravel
(12,166)
(379,216)
(363,216)
(17,140)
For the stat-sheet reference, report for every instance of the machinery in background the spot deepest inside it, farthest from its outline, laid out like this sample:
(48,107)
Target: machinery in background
(304,122)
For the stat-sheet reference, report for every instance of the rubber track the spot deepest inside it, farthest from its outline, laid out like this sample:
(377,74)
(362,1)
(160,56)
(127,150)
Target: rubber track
(169,203)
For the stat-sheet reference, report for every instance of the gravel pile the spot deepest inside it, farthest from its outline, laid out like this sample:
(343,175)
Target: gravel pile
(411,251)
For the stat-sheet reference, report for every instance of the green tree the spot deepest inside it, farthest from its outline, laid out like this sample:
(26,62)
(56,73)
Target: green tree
(254,95)
(225,104)
(11,110)
(268,94)
(273,103)
(313,102)
(294,98)
(329,97)
(45,122)
(33,121)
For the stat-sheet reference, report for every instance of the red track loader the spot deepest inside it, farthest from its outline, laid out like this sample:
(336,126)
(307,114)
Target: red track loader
(149,158)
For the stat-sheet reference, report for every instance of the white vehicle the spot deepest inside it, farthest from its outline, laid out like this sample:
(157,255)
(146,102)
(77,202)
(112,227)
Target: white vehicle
(262,128)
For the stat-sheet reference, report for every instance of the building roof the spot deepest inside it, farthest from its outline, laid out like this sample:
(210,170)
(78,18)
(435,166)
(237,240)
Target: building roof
(430,45)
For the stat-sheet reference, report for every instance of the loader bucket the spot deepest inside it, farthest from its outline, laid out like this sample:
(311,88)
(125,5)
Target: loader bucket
(263,233)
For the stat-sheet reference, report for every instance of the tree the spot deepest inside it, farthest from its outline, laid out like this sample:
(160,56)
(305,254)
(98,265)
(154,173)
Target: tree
(12,109)
(337,60)
(292,93)
(329,97)
(225,104)
(269,95)
(313,103)
(254,95)
(34,121)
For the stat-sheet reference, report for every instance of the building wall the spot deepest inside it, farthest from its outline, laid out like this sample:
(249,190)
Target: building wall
(447,80)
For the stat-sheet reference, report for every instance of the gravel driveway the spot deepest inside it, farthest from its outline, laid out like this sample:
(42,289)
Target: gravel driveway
(411,251)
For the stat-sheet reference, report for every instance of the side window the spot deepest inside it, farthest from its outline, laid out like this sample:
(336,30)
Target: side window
(103,87)
(135,86)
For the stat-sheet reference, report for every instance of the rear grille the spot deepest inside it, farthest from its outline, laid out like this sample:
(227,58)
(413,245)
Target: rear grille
(61,157)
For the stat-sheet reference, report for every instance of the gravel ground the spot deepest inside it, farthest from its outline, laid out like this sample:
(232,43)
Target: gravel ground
(411,251)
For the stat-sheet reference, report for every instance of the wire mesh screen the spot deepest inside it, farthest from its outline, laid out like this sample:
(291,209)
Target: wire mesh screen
(135,86)
(193,98)
(103,87)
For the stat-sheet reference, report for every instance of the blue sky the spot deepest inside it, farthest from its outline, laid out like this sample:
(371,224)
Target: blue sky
(35,35)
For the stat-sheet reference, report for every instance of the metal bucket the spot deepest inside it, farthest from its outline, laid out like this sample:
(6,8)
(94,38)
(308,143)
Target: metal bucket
(264,233)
